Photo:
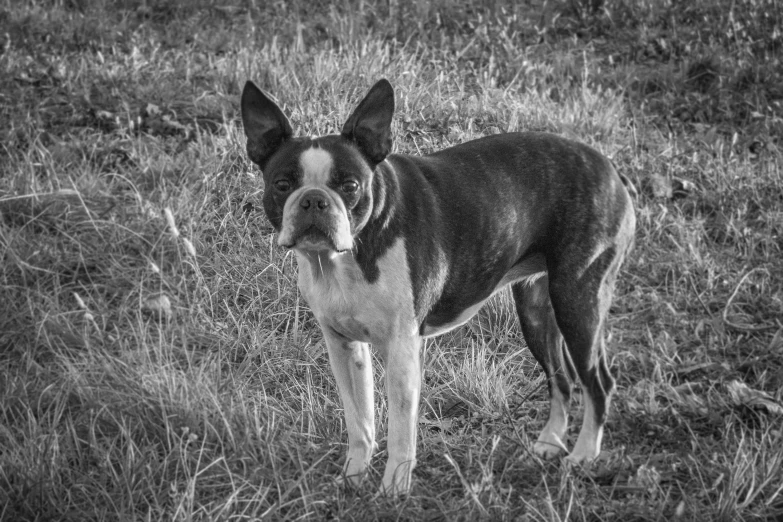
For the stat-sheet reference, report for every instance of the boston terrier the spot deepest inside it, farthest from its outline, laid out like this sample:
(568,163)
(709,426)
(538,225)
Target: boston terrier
(393,248)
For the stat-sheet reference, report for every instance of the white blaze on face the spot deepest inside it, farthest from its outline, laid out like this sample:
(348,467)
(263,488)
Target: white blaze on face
(317,165)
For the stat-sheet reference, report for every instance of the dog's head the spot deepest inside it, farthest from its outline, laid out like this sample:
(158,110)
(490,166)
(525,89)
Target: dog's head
(318,191)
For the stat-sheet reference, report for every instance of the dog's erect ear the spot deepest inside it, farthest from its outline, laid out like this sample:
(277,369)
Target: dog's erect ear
(266,127)
(370,124)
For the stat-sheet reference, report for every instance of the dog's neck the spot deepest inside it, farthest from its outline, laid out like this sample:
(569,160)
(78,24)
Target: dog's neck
(379,232)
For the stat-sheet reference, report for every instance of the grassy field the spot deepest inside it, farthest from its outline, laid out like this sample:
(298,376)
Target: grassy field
(157,362)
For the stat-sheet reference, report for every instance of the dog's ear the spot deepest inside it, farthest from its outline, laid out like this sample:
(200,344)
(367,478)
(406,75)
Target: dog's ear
(370,124)
(266,127)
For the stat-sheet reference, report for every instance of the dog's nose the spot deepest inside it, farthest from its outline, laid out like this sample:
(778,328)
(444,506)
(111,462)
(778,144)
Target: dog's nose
(314,200)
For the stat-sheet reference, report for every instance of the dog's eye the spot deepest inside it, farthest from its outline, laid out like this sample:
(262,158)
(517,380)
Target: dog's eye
(349,187)
(283,185)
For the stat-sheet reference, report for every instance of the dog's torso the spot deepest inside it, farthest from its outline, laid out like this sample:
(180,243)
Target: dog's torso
(456,226)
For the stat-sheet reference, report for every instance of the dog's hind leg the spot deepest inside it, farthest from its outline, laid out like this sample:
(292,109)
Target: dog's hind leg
(581,300)
(352,366)
(543,338)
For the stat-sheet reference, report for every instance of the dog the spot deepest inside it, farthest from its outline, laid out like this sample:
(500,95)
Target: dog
(394,248)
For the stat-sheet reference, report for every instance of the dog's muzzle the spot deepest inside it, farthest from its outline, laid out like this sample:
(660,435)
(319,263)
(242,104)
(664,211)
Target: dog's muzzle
(315,223)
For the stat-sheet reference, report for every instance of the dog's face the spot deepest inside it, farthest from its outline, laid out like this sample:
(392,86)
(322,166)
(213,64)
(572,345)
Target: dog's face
(318,191)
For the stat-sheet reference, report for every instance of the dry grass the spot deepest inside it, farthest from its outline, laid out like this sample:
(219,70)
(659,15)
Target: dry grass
(157,362)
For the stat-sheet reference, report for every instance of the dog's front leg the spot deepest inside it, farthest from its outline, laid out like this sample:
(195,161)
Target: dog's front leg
(352,367)
(403,387)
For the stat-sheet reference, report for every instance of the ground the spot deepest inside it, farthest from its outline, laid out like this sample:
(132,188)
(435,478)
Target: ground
(158,362)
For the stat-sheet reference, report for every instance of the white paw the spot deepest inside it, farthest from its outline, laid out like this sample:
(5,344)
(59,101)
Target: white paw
(353,478)
(397,479)
(352,475)
(581,458)
(547,451)
(587,447)
(355,467)
(549,446)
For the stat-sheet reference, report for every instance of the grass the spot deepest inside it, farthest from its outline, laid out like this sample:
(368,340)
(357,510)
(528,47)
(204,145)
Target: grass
(158,363)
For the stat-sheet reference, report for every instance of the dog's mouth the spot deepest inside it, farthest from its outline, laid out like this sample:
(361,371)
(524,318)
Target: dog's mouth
(314,239)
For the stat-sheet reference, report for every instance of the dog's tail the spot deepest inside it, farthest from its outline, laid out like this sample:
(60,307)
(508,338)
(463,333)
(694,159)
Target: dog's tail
(626,182)
(628,185)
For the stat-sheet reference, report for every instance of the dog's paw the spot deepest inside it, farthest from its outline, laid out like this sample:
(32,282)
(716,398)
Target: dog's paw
(549,446)
(547,451)
(580,458)
(349,479)
(357,460)
(395,489)
(354,473)
(586,449)
(396,480)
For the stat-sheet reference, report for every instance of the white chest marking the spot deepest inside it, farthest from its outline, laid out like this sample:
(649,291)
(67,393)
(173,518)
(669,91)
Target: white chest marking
(528,270)
(342,299)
